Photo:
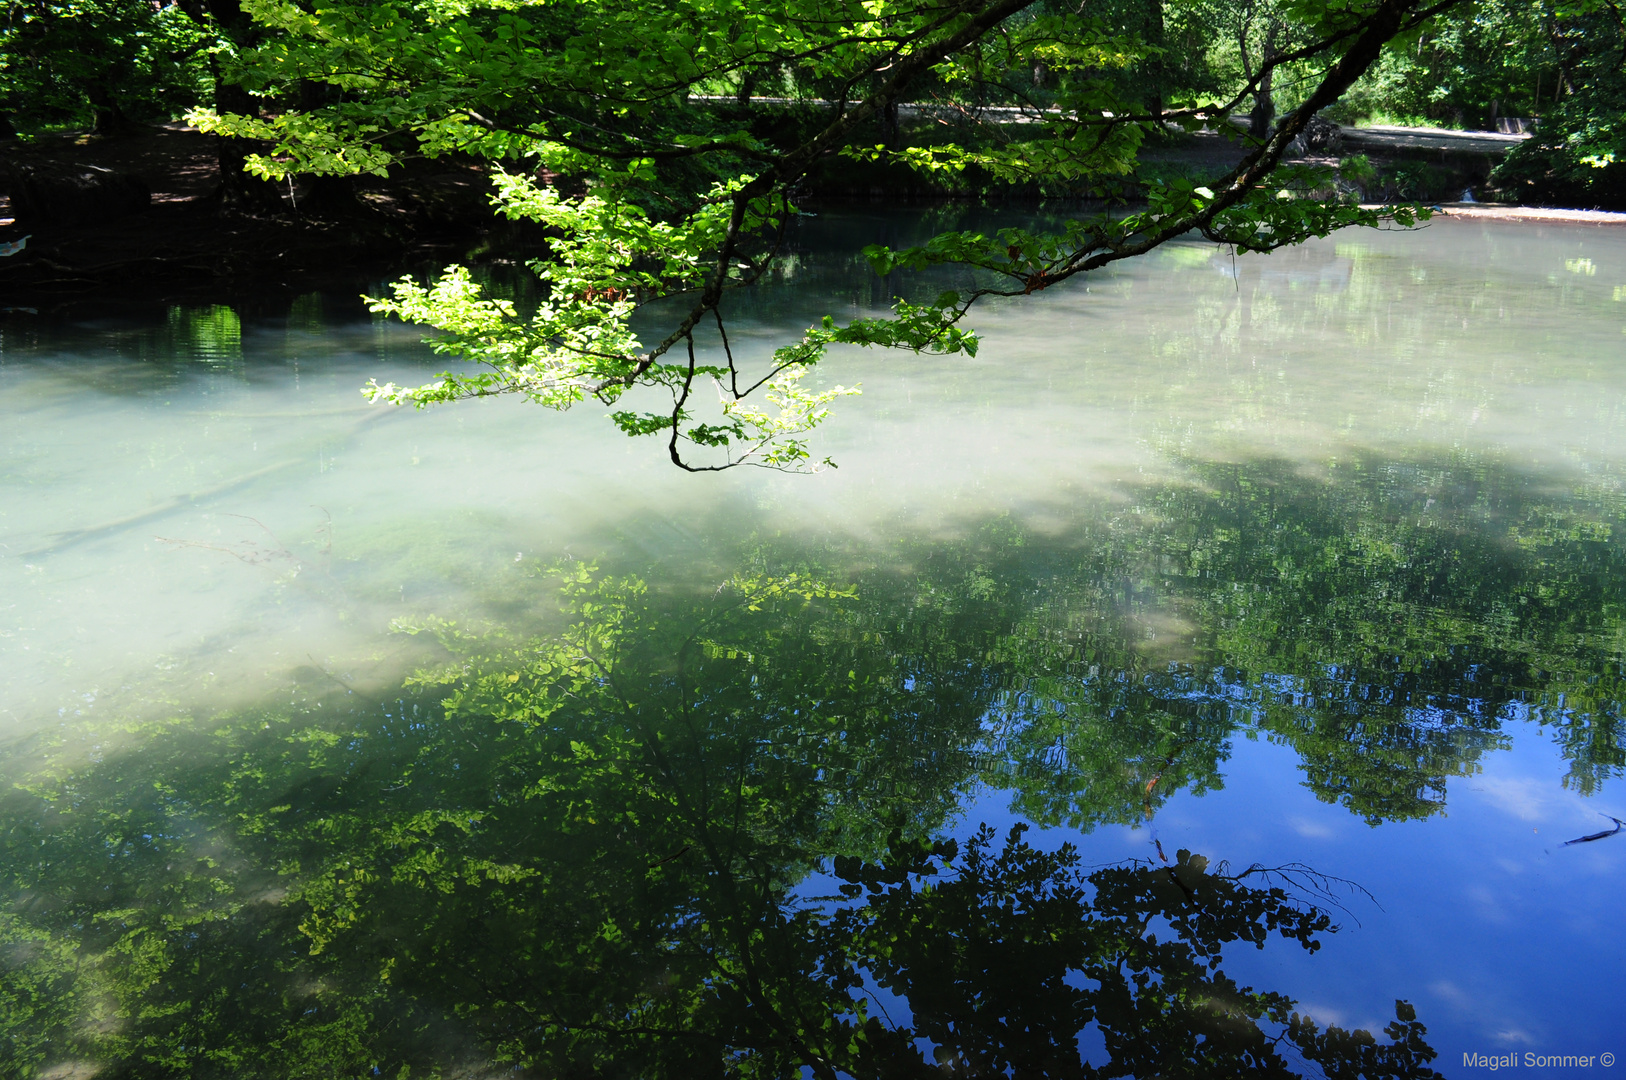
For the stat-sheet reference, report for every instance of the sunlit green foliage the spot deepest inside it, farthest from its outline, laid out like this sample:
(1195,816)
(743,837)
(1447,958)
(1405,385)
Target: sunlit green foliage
(1496,60)
(1578,156)
(612,123)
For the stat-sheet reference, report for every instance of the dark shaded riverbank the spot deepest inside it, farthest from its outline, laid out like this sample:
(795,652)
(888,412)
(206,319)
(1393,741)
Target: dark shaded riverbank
(178,242)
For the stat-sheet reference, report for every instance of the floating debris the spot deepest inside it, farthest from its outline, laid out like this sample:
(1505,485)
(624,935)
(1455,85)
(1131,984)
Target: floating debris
(1598,835)
(14,247)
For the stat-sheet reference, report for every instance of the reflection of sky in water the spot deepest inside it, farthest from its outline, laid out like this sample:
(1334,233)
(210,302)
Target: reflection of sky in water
(213,457)
(1504,939)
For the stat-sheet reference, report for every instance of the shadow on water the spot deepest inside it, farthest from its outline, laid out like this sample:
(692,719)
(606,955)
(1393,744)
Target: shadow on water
(709,828)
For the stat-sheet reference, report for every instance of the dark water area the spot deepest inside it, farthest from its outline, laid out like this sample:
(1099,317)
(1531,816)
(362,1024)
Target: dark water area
(1220,675)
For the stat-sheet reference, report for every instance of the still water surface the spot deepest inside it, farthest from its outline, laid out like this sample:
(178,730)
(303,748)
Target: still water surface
(1281,601)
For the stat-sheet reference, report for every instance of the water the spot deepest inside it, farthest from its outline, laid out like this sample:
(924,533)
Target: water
(344,742)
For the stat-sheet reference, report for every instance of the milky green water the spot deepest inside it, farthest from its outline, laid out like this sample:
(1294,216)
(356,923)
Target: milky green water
(1310,558)
(130,449)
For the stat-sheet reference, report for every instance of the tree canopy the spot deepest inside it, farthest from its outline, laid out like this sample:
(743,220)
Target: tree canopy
(613,125)
(660,149)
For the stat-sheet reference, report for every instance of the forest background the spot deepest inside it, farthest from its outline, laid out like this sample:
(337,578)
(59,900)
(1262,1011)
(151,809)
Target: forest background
(111,66)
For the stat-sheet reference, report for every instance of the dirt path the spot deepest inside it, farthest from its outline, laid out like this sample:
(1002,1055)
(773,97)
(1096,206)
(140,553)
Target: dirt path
(1491,212)
(1399,140)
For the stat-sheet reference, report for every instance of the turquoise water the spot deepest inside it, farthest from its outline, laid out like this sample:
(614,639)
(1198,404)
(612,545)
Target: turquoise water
(1280,598)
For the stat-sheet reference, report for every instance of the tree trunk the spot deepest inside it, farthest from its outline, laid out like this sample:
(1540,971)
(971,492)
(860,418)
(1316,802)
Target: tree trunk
(1156,68)
(1264,105)
(889,125)
(332,198)
(109,118)
(314,95)
(239,192)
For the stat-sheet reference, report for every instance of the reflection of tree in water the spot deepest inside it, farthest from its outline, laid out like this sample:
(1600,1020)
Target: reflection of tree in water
(594,860)
(1388,621)
(595,853)
(1005,963)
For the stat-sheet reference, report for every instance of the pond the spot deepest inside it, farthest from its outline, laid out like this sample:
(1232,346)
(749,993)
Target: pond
(1221,673)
